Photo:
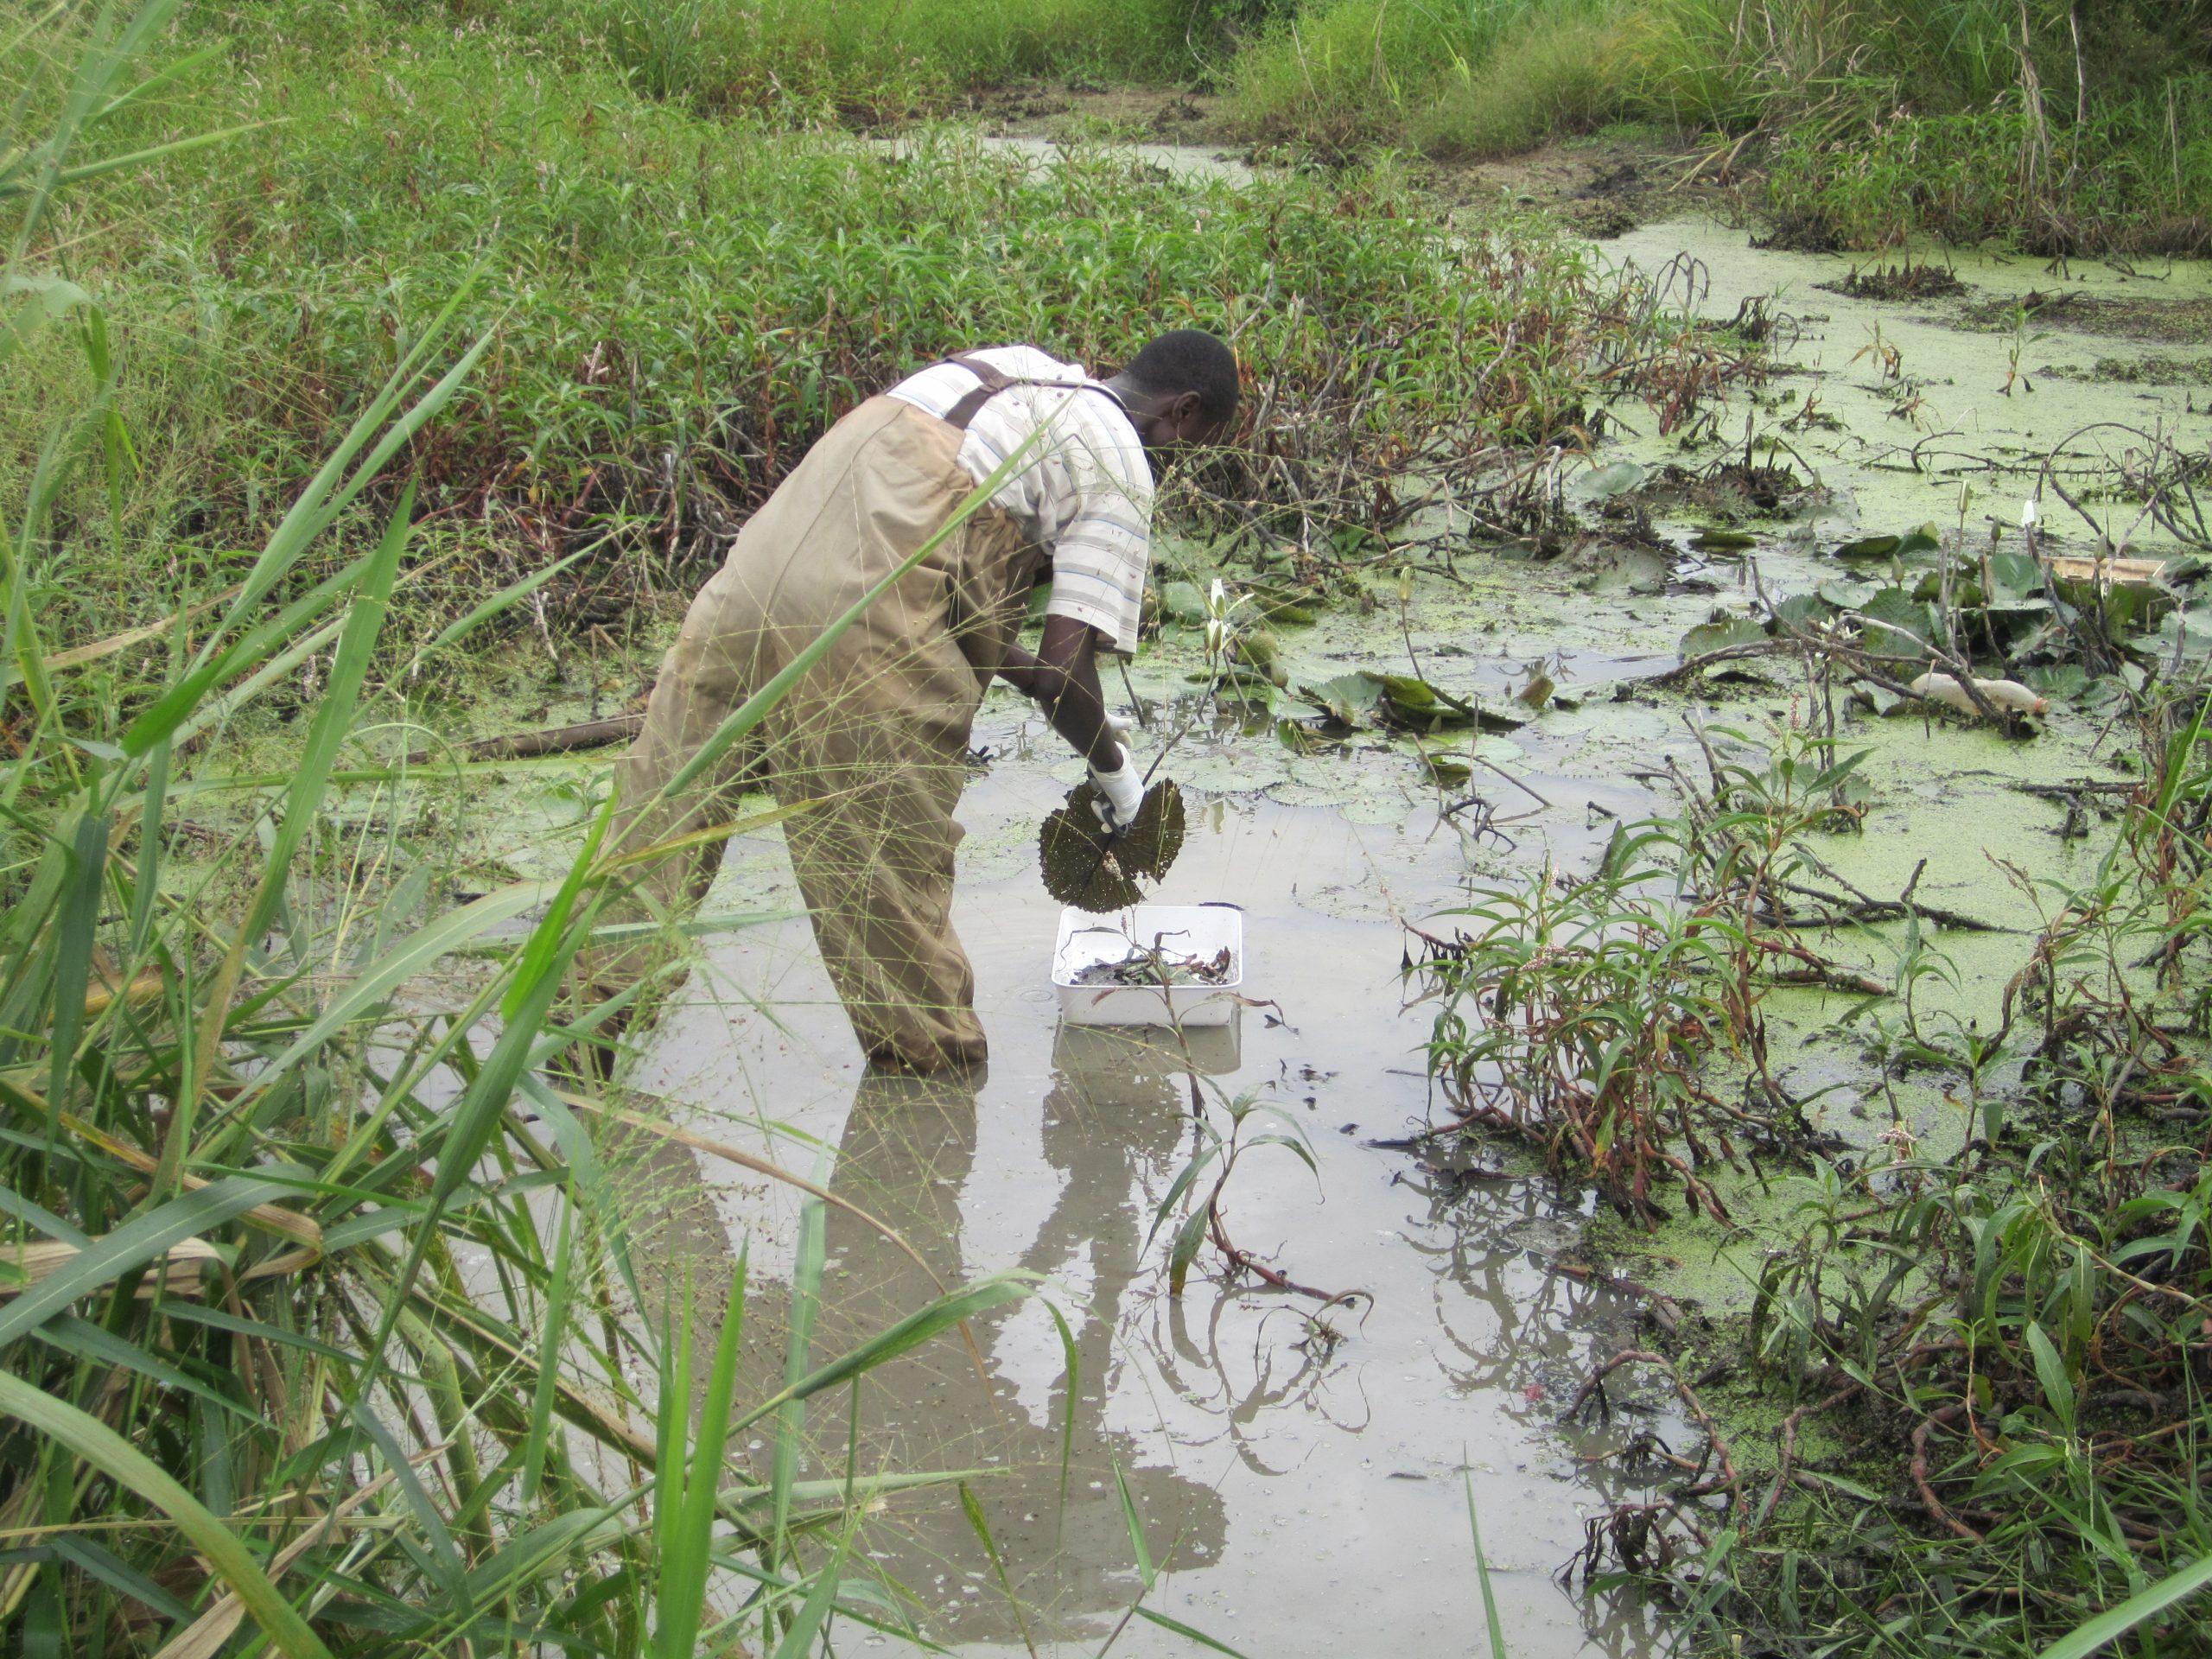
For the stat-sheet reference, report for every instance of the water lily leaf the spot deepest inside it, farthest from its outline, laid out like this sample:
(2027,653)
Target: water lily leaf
(1634,572)
(1869,547)
(1183,601)
(1925,539)
(1407,701)
(1603,483)
(1801,610)
(2014,574)
(1349,699)
(1898,614)
(1720,636)
(1306,737)
(2065,682)
(1846,596)
(1714,539)
(1446,770)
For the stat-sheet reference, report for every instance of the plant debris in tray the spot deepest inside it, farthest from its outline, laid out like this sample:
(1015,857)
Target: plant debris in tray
(1158,968)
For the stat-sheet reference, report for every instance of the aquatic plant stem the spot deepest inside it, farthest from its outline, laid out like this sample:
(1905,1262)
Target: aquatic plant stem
(1728,1480)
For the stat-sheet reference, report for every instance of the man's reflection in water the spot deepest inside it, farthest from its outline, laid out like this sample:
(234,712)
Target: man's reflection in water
(1114,1123)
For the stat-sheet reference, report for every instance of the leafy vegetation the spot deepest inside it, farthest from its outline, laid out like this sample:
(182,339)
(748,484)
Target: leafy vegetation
(676,305)
(2008,1337)
(320,1310)
(2056,128)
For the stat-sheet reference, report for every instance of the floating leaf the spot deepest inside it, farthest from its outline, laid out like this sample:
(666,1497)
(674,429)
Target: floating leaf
(2015,574)
(1714,539)
(1183,602)
(1634,572)
(1085,868)
(1869,547)
(1730,632)
(1410,702)
(1846,596)
(1802,610)
(1447,770)
(1605,482)
(1925,539)
(1349,699)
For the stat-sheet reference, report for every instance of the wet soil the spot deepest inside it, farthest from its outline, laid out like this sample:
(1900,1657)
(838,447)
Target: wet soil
(1603,185)
(2145,312)
(1120,114)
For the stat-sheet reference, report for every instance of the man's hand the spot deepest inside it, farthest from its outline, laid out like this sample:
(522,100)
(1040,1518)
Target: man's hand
(1120,792)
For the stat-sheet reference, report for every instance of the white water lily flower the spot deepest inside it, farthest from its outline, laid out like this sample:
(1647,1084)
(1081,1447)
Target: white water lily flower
(2028,513)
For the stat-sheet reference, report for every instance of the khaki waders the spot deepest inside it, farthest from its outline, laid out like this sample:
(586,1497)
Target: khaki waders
(875,734)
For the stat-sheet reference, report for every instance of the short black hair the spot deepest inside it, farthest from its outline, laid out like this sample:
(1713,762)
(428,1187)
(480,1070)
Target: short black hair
(1190,360)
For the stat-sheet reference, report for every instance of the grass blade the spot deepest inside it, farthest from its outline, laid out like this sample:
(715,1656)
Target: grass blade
(1146,1571)
(2116,1621)
(130,1245)
(1482,1568)
(1187,1633)
(332,721)
(816,1609)
(909,1333)
(687,1547)
(549,1349)
(81,914)
(981,1526)
(806,1296)
(108,1451)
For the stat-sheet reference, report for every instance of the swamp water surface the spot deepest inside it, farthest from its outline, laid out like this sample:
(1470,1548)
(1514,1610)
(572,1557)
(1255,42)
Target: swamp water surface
(1302,1487)
(1305,1494)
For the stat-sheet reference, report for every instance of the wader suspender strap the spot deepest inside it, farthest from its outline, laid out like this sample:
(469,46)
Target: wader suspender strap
(990,382)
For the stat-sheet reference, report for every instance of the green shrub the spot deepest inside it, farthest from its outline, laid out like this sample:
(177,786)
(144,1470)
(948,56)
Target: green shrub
(1342,71)
(881,56)
(1551,74)
(678,305)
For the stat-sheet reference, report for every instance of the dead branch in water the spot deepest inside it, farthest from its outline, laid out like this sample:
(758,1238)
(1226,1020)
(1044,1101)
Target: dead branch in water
(554,739)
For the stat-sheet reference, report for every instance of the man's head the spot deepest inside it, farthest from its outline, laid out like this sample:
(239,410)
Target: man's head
(1180,388)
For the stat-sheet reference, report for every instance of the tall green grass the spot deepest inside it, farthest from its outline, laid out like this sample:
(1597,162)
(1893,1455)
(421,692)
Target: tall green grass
(2051,126)
(677,305)
(1487,76)
(321,1331)
(868,59)
(2001,1347)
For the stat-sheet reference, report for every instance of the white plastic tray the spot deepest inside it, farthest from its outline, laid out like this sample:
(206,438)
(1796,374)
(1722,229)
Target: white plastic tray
(1087,938)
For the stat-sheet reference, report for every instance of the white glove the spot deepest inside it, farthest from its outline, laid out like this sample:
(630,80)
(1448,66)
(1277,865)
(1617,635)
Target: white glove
(1120,792)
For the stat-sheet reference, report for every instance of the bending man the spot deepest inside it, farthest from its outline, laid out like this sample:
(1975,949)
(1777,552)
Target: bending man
(875,735)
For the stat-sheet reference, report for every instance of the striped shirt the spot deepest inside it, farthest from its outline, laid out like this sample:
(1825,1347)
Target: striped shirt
(1083,490)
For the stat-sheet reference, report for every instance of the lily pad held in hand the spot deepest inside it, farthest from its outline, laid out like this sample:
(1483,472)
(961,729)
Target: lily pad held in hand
(1085,868)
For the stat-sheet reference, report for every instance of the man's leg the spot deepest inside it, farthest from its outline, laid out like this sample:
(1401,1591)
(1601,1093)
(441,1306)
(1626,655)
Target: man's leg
(703,679)
(874,859)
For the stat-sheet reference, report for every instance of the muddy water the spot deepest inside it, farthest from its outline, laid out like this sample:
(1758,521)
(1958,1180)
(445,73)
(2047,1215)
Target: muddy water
(1303,1488)
(1306,1495)
(1908,432)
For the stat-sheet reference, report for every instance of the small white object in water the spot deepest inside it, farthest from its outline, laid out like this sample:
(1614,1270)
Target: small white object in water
(1998,693)
(2028,513)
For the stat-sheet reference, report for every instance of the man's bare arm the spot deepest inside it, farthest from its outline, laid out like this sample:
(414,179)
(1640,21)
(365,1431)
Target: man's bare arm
(1063,677)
